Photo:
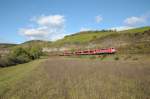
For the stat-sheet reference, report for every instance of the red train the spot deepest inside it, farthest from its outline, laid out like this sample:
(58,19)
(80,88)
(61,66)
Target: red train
(91,52)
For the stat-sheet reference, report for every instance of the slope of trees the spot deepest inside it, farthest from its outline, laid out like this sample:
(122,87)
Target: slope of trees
(20,55)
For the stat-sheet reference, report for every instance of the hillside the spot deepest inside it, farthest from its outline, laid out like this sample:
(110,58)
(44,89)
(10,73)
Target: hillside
(5,45)
(80,38)
(133,40)
(98,38)
(135,30)
(39,43)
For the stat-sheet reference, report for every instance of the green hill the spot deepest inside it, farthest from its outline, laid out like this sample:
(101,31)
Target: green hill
(80,38)
(135,30)
(6,45)
(137,40)
(39,43)
(100,37)
(132,41)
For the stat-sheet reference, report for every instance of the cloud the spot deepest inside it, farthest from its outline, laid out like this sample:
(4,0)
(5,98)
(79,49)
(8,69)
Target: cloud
(85,29)
(121,28)
(98,19)
(132,21)
(34,33)
(48,28)
(53,21)
(137,20)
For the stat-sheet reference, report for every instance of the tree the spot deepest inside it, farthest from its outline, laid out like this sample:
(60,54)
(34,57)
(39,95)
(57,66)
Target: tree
(35,52)
(19,55)
(18,51)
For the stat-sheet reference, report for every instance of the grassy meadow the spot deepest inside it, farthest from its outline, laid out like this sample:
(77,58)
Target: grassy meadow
(12,77)
(74,78)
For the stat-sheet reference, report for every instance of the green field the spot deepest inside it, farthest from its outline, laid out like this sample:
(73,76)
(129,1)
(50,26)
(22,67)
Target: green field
(12,77)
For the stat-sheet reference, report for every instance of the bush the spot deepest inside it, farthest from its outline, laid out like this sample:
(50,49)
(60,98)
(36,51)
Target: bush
(116,58)
(18,51)
(6,61)
(21,59)
(21,55)
(92,57)
(103,56)
(135,58)
(35,52)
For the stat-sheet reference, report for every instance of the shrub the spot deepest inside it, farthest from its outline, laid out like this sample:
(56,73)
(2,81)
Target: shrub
(21,59)
(18,51)
(103,56)
(35,52)
(128,57)
(20,55)
(6,61)
(135,58)
(94,37)
(92,57)
(116,58)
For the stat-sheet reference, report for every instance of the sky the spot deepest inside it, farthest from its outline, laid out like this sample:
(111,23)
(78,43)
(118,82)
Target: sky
(23,20)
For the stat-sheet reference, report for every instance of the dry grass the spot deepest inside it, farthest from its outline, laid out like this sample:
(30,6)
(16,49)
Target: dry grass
(60,78)
(86,79)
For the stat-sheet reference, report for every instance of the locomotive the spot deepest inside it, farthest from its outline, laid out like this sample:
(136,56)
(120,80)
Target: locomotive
(91,52)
